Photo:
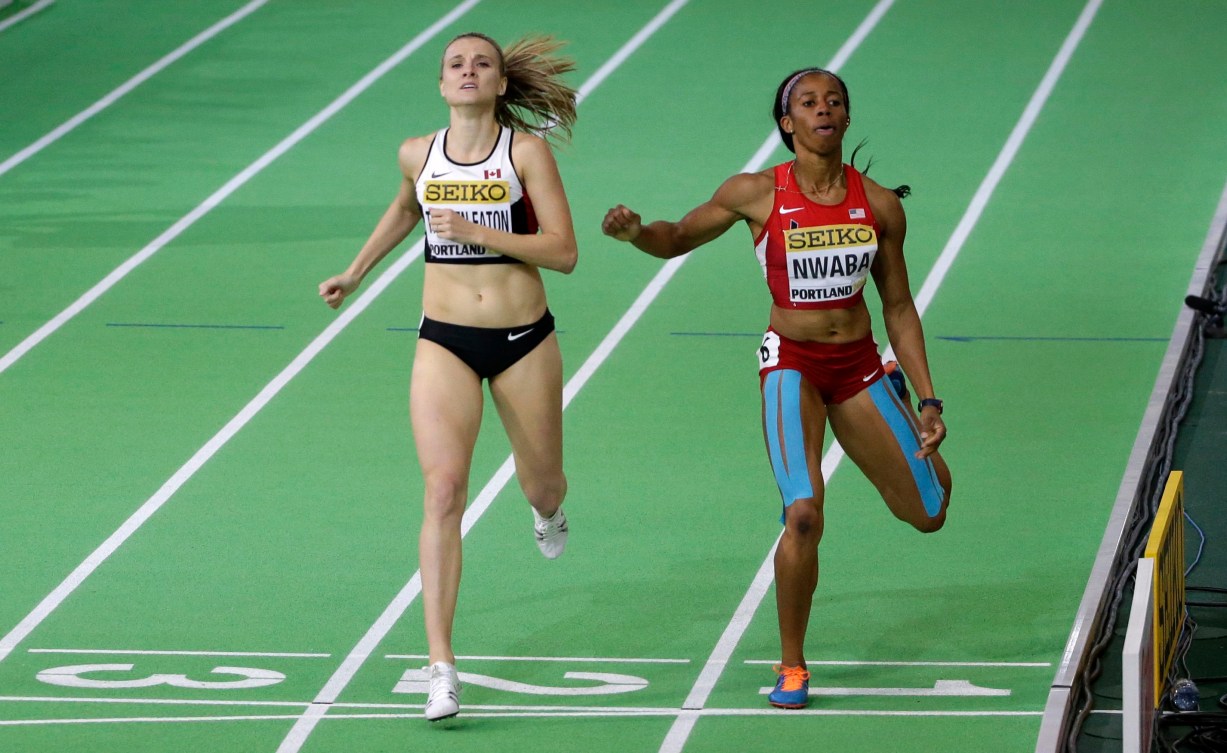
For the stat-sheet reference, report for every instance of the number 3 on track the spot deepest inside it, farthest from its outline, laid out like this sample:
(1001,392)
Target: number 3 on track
(71,677)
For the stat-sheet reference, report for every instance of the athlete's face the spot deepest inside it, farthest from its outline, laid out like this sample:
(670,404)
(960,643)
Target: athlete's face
(817,114)
(471,73)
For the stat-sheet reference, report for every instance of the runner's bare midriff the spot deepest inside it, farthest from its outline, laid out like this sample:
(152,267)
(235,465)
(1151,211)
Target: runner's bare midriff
(822,325)
(486,295)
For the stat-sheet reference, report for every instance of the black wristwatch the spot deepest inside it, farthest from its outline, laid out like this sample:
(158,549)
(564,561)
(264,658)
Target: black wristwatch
(927,402)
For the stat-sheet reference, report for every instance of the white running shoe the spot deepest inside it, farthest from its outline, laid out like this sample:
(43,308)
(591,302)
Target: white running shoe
(444,699)
(551,533)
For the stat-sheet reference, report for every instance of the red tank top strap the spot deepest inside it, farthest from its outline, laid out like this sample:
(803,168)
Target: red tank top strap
(783,177)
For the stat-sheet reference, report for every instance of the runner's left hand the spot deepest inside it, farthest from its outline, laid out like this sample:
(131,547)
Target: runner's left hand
(932,431)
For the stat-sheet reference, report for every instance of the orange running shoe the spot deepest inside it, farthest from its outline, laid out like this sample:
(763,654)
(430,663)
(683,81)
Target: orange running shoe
(791,689)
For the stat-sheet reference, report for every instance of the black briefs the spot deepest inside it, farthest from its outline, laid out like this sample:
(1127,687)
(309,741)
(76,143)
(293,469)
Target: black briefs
(488,351)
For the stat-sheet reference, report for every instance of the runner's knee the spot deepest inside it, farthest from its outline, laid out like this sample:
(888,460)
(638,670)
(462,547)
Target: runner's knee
(445,495)
(919,518)
(930,525)
(804,520)
(545,492)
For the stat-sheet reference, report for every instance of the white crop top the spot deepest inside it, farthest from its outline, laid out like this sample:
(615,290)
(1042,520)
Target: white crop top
(488,193)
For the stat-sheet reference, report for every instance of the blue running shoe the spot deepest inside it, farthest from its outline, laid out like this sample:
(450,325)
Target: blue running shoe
(791,689)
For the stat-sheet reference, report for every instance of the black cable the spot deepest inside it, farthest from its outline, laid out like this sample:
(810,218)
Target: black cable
(1156,470)
(1134,538)
(1208,733)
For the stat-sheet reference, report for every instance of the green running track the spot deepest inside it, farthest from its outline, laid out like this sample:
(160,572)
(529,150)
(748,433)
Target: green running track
(208,493)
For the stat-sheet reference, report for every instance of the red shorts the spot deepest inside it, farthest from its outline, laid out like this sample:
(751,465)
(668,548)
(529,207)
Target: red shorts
(837,370)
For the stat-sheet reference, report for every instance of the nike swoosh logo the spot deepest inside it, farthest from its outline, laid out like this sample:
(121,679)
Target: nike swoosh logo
(518,335)
(790,211)
(867,378)
(437,175)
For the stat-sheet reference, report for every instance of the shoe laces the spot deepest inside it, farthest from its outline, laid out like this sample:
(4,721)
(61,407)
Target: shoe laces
(551,525)
(443,681)
(792,678)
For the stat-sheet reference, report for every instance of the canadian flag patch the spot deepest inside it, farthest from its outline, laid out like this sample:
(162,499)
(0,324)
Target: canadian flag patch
(856,214)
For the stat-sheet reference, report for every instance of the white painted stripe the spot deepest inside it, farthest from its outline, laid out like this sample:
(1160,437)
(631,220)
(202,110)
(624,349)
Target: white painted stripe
(1008,152)
(593,659)
(383,624)
(126,652)
(859,35)
(773,141)
(189,469)
(140,78)
(628,49)
(142,701)
(417,707)
(758,711)
(1038,664)
(230,187)
(675,740)
(53,600)
(141,719)
(940,689)
(786,713)
(612,713)
(23,15)
(474,712)
(413,710)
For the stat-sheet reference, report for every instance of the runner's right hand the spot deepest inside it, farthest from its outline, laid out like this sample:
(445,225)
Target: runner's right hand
(621,223)
(335,289)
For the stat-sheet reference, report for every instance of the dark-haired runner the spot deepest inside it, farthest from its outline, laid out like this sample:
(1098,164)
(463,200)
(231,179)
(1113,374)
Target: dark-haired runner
(820,229)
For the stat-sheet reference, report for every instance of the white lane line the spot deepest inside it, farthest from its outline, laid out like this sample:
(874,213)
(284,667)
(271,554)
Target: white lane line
(232,185)
(940,689)
(23,15)
(593,659)
(126,652)
(784,713)
(189,469)
(476,712)
(140,78)
(383,624)
(227,432)
(142,719)
(1008,152)
(1029,664)
(680,732)
(152,701)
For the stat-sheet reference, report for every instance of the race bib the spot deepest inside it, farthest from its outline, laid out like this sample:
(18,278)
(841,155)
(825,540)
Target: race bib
(769,351)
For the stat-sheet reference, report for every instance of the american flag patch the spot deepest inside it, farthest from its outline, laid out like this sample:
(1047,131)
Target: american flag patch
(856,214)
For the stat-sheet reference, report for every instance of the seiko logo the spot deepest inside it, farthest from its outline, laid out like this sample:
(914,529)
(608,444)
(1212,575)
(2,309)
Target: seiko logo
(467,192)
(838,236)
